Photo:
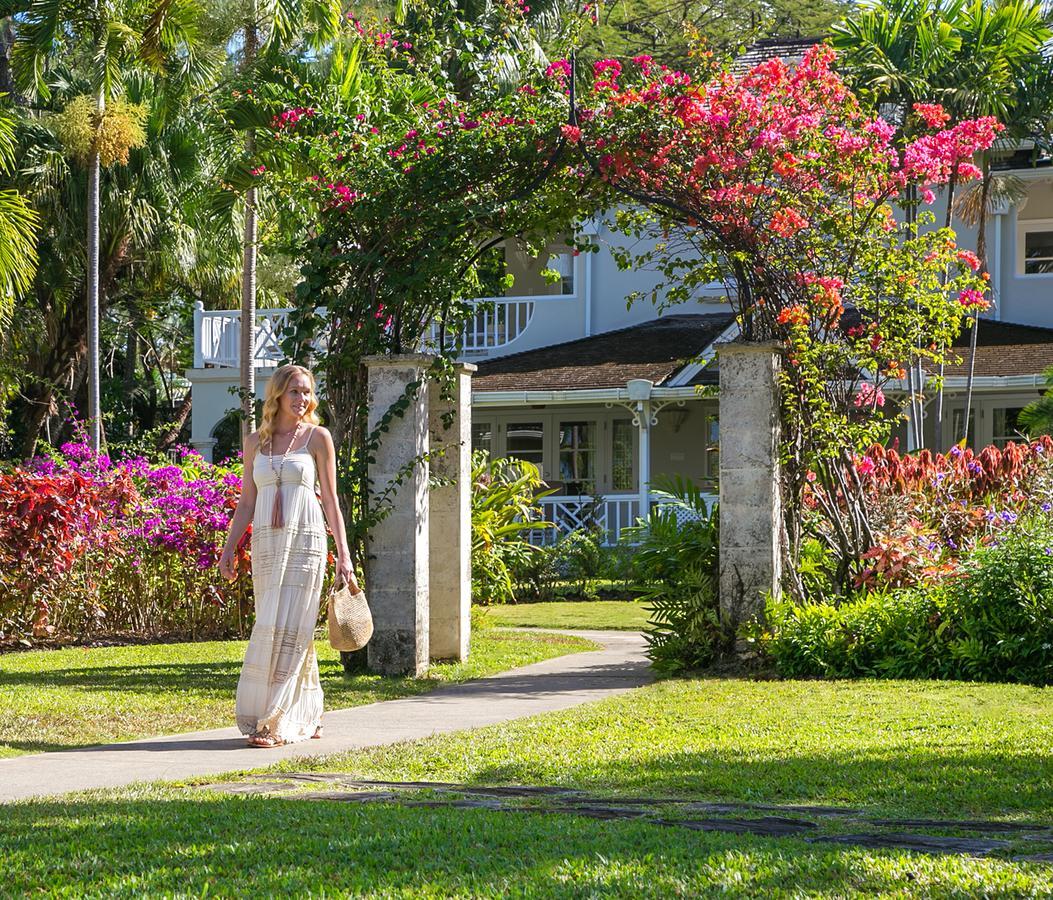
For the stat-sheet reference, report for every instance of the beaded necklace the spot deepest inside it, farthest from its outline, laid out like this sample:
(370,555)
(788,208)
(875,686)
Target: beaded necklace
(277,519)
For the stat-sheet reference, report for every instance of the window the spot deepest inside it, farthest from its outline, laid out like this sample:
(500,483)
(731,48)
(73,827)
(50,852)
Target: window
(623,436)
(526,441)
(577,457)
(712,445)
(1038,252)
(564,264)
(1004,426)
(483,437)
(957,417)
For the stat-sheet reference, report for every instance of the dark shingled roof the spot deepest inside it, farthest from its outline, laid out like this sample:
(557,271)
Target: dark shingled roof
(788,49)
(1004,348)
(655,350)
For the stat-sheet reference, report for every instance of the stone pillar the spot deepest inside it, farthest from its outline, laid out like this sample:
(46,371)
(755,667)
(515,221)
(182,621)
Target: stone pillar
(205,448)
(750,500)
(450,427)
(397,546)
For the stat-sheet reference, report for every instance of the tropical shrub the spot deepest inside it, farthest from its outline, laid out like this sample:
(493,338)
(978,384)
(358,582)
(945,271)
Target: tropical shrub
(993,621)
(676,565)
(929,510)
(504,511)
(89,545)
(576,566)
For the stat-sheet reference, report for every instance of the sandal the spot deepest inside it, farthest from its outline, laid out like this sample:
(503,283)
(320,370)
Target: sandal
(265,739)
(317,733)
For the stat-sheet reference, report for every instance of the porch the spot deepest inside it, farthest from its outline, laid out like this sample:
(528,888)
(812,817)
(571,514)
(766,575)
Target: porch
(604,417)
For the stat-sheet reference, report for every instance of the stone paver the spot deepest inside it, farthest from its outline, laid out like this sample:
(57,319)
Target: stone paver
(554,684)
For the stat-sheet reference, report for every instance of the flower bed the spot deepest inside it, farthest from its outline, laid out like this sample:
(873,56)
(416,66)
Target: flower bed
(931,510)
(90,546)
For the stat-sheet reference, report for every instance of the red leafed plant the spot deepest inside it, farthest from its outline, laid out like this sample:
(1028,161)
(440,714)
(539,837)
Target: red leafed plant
(928,508)
(46,523)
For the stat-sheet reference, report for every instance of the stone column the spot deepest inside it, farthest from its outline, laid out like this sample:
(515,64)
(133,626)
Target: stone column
(750,500)
(204,447)
(397,546)
(450,428)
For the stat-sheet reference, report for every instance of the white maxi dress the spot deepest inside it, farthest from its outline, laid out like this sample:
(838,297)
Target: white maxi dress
(279,691)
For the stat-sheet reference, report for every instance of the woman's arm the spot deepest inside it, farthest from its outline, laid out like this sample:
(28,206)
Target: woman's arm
(325,456)
(243,514)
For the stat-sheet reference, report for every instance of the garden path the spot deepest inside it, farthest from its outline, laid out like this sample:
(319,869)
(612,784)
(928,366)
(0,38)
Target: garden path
(554,684)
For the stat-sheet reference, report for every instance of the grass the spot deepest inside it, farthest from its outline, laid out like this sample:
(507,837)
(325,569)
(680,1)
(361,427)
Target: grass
(891,748)
(629,615)
(80,696)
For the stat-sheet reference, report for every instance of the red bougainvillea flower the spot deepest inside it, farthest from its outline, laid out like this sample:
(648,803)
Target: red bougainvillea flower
(933,114)
(869,394)
(972,298)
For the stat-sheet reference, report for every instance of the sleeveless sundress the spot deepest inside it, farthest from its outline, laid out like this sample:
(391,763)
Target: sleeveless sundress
(279,691)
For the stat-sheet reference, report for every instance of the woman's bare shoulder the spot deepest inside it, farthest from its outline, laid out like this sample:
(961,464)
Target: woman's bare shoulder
(252,442)
(321,434)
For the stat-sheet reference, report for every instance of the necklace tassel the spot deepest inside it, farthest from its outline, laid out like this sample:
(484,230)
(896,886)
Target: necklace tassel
(277,519)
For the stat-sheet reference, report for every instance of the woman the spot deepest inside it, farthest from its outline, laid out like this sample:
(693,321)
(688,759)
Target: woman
(279,698)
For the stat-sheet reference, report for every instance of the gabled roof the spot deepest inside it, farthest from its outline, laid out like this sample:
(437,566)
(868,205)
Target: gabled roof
(654,350)
(789,49)
(1003,348)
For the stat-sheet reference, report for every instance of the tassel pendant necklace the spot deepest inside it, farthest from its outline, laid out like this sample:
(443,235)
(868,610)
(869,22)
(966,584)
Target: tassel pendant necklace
(277,518)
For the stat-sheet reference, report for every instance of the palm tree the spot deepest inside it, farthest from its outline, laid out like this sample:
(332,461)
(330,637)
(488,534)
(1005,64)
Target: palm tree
(269,25)
(1000,72)
(18,225)
(977,58)
(111,38)
(895,53)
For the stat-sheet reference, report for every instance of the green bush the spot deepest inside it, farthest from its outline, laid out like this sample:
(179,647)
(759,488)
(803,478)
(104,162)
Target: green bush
(576,566)
(676,564)
(992,622)
(504,509)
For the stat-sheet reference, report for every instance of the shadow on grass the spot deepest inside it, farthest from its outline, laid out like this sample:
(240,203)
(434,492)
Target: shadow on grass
(958,784)
(233,846)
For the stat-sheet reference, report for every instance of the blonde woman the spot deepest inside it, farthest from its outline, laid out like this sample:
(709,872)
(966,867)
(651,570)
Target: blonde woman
(279,697)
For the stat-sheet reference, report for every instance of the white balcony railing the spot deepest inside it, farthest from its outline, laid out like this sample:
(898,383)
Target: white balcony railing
(217,337)
(217,333)
(500,322)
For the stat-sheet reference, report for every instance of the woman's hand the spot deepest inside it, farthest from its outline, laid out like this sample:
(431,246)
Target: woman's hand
(226,564)
(345,573)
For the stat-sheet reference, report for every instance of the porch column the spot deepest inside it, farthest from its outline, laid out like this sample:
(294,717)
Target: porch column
(750,499)
(639,390)
(397,559)
(450,553)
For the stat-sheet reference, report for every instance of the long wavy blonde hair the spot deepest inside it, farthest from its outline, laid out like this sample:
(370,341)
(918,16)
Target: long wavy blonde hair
(275,388)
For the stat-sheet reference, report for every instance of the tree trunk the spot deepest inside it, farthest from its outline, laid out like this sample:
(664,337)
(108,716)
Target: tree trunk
(94,402)
(981,252)
(247,348)
(171,435)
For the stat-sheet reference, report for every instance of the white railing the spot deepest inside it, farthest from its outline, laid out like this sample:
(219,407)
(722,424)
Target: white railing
(610,514)
(499,323)
(217,333)
(217,337)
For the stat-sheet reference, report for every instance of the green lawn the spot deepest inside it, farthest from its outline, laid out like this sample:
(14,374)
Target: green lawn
(888,748)
(630,615)
(56,699)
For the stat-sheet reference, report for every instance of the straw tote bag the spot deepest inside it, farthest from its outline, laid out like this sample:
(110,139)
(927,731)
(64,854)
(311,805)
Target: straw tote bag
(350,622)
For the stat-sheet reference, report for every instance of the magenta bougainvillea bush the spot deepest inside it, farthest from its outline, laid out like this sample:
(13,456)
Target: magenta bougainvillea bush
(90,545)
(780,184)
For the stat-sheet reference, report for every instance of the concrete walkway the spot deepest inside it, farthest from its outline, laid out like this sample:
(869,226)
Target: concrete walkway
(554,684)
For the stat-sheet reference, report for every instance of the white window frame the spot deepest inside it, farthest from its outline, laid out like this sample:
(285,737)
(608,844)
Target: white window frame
(1024,227)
